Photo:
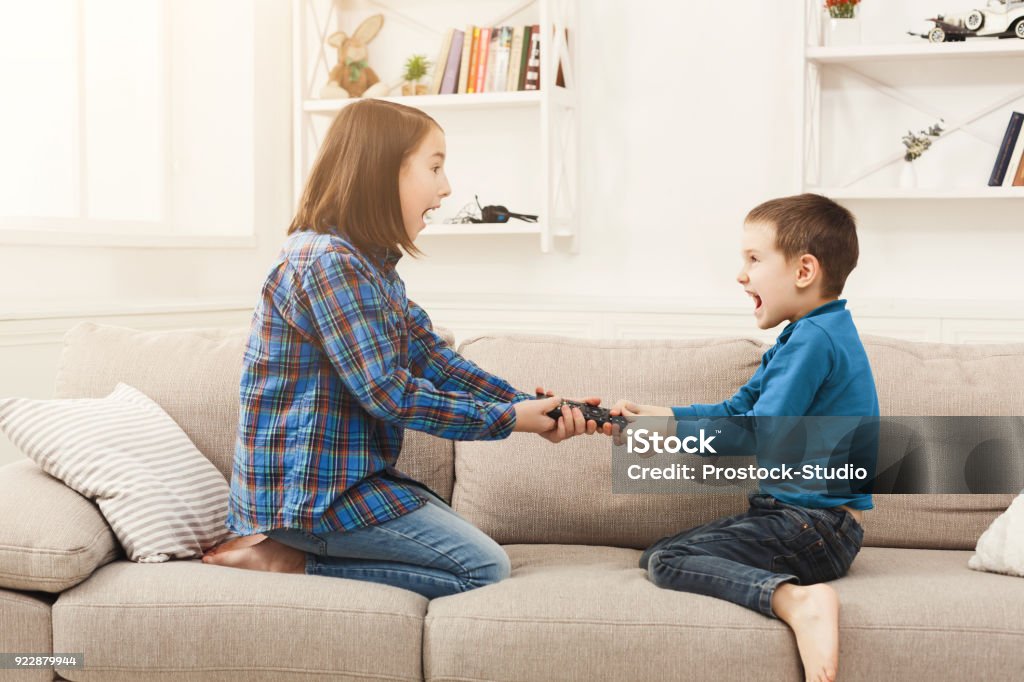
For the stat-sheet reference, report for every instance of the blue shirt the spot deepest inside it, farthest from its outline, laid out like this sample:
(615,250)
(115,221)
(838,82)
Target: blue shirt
(338,364)
(817,368)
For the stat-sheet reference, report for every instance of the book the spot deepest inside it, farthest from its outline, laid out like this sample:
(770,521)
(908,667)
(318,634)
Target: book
(493,47)
(533,61)
(524,57)
(515,59)
(450,79)
(1006,149)
(474,60)
(481,63)
(467,48)
(1018,179)
(497,69)
(1013,170)
(440,64)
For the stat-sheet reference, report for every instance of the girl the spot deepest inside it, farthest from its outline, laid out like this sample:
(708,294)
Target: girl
(339,362)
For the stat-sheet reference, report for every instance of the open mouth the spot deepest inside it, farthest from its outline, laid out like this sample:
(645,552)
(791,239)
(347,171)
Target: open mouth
(757,300)
(429,214)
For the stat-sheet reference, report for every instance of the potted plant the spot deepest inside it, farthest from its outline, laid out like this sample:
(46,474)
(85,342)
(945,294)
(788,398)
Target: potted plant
(416,68)
(916,146)
(843,26)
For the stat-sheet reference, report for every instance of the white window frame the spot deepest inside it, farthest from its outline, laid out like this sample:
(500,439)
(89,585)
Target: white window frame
(82,231)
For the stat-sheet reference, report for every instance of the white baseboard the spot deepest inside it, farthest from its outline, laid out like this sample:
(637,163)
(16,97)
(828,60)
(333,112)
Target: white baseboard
(470,315)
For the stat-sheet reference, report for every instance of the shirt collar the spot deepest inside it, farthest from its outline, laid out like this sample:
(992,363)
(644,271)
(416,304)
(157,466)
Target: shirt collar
(830,307)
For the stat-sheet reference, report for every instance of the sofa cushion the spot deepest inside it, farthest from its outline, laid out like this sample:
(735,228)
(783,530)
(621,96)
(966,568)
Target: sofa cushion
(526,490)
(160,495)
(51,538)
(194,374)
(25,628)
(939,379)
(189,620)
(588,613)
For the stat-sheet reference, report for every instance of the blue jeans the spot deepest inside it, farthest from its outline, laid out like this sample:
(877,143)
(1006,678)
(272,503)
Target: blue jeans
(743,558)
(432,551)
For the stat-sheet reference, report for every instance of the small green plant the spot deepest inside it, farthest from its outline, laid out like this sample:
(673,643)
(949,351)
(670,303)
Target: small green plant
(416,67)
(918,144)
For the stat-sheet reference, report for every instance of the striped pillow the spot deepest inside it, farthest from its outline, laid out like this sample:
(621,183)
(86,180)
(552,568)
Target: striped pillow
(161,496)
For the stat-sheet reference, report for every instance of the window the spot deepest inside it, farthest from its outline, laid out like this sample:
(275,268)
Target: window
(127,117)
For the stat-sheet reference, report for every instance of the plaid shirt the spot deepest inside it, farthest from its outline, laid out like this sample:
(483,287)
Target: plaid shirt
(338,364)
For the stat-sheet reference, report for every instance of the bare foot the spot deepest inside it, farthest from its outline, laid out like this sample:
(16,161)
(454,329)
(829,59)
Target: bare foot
(267,555)
(237,543)
(813,613)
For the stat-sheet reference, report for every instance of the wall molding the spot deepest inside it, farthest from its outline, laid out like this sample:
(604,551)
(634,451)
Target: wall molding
(46,325)
(468,315)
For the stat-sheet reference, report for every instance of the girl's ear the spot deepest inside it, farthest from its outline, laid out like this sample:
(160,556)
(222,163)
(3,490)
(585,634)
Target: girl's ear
(369,29)
(336,39)
(808,271)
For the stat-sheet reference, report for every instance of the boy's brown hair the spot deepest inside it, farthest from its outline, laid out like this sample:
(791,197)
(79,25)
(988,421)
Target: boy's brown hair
(352,188)
(811,223)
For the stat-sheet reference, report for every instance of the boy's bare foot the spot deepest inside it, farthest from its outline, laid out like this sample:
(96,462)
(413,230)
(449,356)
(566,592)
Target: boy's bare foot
(267,555)
(813,613)
(237,543)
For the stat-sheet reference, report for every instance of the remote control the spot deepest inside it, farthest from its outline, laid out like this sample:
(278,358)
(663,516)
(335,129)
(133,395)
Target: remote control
(590,412)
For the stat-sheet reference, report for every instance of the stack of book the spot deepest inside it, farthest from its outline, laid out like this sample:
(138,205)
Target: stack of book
(480,59)
(1009,167)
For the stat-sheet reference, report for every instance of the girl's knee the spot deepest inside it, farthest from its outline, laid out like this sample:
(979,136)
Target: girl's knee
(493,567)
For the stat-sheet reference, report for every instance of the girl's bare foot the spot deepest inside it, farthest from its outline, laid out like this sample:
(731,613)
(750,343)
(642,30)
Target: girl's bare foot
(237,543)
(267,555)
(813,613)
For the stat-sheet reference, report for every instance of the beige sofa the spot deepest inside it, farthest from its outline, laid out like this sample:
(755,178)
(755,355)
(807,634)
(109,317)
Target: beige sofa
(576,607)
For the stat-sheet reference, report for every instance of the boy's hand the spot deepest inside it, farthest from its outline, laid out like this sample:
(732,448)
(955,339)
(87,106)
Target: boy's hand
(631,411)
(572,422)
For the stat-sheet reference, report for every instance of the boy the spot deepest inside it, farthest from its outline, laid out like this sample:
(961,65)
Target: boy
(797,252)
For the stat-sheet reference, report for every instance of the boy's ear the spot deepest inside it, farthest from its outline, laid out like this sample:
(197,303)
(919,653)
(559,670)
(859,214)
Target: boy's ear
(808,271)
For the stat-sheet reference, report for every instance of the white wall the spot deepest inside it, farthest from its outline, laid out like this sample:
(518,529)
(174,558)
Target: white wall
(689,119)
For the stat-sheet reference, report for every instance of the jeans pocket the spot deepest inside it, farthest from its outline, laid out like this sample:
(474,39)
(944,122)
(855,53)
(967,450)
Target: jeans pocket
(842,547)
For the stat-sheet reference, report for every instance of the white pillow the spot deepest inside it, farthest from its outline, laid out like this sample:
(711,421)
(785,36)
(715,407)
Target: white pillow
(161,496)
(1001,548)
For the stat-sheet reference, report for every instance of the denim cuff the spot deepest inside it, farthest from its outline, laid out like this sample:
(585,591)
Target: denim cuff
(764,602)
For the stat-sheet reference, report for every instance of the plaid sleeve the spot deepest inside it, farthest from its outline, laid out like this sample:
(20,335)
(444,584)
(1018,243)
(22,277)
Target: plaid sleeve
(352,320)
(435,360)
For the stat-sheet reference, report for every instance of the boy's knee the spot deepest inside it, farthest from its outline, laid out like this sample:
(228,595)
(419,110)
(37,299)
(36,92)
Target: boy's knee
(664,564)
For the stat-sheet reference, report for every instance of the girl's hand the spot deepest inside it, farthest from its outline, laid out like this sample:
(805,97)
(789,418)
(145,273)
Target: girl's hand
(531,415)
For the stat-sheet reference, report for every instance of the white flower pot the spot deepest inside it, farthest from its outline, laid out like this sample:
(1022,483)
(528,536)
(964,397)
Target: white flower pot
(842,32)
(908,176)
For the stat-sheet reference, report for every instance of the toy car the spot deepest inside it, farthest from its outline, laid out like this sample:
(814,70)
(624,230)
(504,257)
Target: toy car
(1001,19)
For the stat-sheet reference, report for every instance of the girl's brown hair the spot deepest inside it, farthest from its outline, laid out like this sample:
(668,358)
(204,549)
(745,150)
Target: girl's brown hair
(352,188)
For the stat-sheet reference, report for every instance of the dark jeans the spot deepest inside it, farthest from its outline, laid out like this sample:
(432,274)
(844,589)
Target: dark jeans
(743,558)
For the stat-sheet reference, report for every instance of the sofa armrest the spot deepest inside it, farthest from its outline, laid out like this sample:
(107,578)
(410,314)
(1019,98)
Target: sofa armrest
(51,538)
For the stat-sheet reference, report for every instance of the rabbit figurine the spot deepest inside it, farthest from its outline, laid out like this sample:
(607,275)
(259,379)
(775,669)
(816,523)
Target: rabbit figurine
(351,77)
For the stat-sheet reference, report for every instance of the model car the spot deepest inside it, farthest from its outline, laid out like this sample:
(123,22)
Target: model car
(1000,19)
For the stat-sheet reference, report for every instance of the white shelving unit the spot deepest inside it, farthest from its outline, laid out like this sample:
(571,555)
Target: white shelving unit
(905,85)
(518,149)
